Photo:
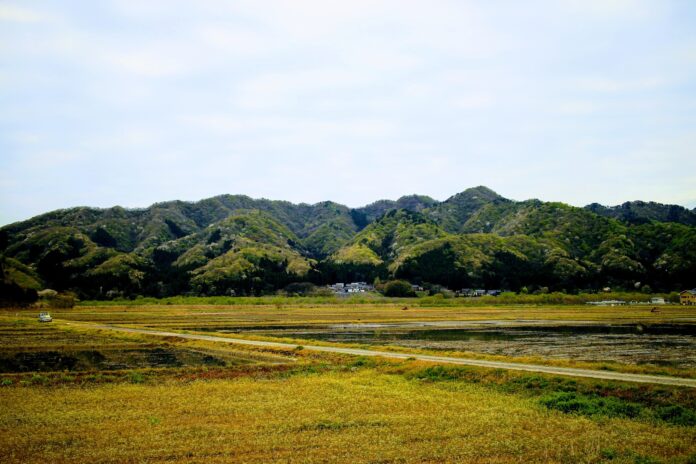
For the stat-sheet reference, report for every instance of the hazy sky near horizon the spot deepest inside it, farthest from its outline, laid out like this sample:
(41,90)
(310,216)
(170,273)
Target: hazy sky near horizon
(135,102)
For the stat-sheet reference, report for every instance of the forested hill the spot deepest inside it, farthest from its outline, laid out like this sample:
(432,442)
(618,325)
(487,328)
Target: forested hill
(475,238)
(639,212)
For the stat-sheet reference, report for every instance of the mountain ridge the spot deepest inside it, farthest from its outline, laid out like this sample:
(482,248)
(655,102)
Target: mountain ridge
(250,246)
(401,203)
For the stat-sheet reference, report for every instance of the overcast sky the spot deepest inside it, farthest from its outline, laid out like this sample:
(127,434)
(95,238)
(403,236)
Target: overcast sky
(134,102)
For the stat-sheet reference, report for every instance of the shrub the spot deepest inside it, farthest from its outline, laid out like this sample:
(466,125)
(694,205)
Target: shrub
(363,361)
(608,453)
(398,288)
(38,379)
(677,415)
(439,373)
(573,403)
(300,289)
(61,301)
(136,377)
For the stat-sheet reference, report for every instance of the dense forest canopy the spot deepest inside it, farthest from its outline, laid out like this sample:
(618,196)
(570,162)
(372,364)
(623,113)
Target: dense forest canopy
(233,244)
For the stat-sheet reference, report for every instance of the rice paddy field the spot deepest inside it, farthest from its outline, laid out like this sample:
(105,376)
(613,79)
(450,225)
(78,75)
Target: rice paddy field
(71,391)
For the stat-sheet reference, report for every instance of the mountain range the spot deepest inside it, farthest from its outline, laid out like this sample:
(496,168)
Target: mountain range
(227,243)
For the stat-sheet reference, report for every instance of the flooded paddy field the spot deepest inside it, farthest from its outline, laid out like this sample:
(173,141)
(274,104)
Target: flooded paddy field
(103,359)
(27,346)
(632,335)
(660,344)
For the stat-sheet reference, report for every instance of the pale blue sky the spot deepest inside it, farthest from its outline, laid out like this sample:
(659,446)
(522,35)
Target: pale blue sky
(134,102)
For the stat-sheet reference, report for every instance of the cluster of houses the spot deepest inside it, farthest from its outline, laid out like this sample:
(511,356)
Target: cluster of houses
(688,297)
(476,292)
(607,303)
(342,289)
(653,301)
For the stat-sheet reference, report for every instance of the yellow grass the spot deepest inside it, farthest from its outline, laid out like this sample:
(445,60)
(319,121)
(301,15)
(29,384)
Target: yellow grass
(363,416)
(179,316)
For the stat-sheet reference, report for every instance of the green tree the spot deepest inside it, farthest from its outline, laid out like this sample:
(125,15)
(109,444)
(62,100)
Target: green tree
(398,288)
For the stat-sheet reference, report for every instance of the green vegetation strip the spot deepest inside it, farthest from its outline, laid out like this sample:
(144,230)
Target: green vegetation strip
(439,300)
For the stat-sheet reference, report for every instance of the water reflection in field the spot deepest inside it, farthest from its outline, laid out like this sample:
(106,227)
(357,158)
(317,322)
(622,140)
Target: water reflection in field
(43,360)
(659,344)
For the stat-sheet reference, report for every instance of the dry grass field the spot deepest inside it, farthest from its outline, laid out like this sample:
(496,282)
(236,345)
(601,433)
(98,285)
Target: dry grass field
(289,313)
(361,416)
(103,396)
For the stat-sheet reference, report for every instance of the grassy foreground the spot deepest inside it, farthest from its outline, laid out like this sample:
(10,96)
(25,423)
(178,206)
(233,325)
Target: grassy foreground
(361,416)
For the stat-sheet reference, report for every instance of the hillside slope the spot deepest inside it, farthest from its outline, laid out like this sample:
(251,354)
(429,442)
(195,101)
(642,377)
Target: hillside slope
(233,243)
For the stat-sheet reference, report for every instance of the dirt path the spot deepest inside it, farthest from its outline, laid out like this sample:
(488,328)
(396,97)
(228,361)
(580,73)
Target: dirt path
(594,374)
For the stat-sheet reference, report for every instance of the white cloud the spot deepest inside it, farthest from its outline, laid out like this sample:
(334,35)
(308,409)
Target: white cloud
(617,9)
(618,85)
(122,140)
(236,40)
(50,159)
(291,87)
(474,101)
(21,14)
(578,107)
(307,129)
(147,63)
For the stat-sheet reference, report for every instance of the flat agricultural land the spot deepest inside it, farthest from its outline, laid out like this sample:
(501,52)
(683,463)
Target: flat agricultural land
(72,392)
(289,313)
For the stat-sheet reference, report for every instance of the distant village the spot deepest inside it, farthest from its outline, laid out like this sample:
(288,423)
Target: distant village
(343,289)
(686,297)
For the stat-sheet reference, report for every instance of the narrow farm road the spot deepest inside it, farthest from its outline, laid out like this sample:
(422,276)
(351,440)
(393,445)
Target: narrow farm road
(594,374)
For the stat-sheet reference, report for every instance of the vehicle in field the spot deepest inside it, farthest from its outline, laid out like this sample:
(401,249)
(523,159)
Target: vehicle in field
(45,317)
